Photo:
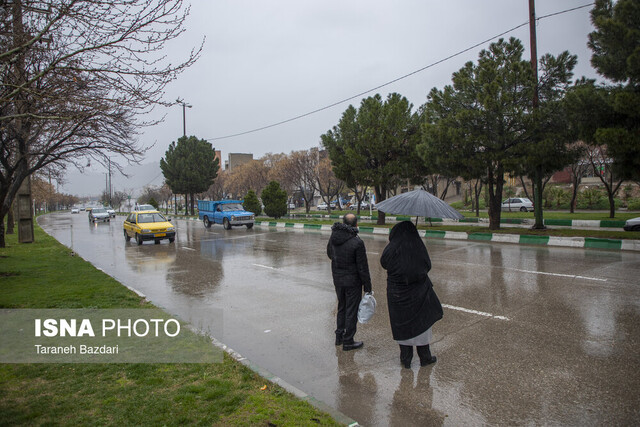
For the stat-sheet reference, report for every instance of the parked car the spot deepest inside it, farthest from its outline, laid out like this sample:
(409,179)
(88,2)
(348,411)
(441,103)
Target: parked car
(632,224)
(323,206)
(98,214)
(363,205)
(111,211)
(515,204)
(292,206)
(148,225)
(75,210)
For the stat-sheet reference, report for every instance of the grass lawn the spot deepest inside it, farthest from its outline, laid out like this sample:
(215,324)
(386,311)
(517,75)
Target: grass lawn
(43,274)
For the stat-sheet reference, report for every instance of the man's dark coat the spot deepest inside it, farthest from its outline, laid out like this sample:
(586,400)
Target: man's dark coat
(348,257)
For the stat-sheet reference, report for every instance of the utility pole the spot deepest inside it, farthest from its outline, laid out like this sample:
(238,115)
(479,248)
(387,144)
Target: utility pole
(534,49)
(537,178)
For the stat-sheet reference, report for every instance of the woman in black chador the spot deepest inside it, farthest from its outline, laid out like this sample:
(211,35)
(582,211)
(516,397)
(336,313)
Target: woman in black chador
(413,305)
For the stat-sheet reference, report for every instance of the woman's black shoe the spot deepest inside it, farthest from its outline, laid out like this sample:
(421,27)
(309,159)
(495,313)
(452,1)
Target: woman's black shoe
(406,355)
(424,352)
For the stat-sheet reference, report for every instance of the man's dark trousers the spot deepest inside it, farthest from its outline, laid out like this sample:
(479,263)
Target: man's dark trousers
(348,302)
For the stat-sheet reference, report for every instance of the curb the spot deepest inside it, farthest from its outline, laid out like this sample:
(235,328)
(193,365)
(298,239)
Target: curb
(524,239)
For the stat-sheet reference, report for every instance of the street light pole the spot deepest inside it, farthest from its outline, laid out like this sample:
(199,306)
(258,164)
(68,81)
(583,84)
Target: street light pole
(184,115)
(184,133)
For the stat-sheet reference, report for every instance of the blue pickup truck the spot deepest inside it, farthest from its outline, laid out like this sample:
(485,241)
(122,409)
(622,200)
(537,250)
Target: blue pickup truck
(225,212)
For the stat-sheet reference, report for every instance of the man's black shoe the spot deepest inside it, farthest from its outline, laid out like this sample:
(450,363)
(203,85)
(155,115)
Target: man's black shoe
(353,346)
(338,339)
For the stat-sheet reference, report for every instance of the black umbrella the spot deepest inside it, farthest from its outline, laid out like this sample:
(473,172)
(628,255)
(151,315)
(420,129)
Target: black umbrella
(418,203)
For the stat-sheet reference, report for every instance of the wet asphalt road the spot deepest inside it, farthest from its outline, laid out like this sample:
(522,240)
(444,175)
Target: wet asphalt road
(530,335)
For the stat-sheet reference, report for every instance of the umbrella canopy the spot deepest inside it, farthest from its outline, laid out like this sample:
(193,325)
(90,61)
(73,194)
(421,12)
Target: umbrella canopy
(418,203)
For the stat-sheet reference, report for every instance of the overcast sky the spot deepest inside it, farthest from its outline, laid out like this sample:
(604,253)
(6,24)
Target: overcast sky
(265,61)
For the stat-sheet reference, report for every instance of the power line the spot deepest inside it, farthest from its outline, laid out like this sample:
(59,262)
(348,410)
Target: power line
(396,79)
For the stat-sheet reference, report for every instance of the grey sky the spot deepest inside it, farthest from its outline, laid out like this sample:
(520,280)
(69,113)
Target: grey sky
(265,61)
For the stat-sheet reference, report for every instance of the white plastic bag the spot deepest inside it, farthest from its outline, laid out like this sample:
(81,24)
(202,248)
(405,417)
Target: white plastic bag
(367,307)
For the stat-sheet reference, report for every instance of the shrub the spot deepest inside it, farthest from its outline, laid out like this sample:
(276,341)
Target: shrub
(555,197)
(633,204)
(251,203)
(274,199)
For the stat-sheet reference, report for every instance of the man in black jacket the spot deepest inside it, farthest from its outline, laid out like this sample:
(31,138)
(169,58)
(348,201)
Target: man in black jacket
(350,272)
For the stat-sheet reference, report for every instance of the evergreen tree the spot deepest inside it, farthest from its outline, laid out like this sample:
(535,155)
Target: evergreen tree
(251,203)
(189,167)
(274,200)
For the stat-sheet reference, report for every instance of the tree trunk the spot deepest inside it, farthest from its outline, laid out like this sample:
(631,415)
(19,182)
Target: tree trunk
(537,202)
(612,206)
(478,191)
(380,196)
(10,220)
(495,185)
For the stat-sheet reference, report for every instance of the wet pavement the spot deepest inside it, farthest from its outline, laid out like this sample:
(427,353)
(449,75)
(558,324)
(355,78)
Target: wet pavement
(530,335)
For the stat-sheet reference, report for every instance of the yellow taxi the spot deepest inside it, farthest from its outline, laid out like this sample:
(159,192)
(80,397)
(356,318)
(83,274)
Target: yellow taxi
(148,225)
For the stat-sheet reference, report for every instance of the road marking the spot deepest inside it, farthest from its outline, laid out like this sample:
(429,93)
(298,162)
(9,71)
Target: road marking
(187,249)
(479,313)
(572,276)
(544,273)
(266,266)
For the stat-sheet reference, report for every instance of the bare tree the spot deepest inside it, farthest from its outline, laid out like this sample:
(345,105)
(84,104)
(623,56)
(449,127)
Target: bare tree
(577,170)
(303,172)
(328,185)
(252,175)
(217,190)
(76,75)
(602,166)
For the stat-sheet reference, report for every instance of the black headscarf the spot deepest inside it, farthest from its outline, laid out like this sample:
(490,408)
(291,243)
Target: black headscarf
(406,258)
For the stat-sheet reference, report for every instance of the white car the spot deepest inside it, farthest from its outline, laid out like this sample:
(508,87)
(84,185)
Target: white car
(75,210)
(111,211)
(98,214)
(515,204)
(323,206)
(632,224)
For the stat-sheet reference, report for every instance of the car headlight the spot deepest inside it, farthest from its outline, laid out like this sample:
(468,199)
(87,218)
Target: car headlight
(146,231)
(171,229)
(233,218)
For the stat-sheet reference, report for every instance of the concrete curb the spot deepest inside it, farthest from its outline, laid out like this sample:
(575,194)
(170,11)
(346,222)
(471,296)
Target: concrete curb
(524,239)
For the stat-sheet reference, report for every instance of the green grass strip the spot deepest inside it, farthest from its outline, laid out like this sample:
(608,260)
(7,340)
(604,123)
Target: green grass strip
(590,242)
(45,274)
(534,240)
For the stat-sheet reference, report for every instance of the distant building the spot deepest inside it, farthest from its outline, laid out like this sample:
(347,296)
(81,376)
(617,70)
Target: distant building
(237,159)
